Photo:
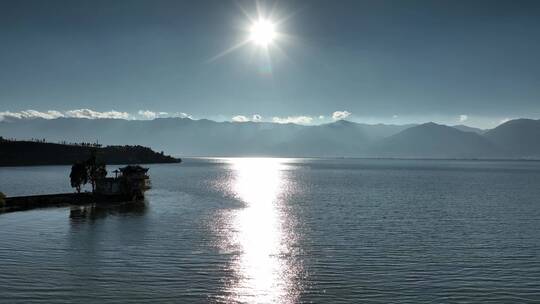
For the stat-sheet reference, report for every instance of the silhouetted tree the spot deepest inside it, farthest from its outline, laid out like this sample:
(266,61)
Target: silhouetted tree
(96,170)
(78,176)
(2,199)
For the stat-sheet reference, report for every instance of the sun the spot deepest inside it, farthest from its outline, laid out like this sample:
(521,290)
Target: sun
(263,32)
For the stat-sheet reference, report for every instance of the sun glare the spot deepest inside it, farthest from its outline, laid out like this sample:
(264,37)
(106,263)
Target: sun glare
(263,32)
(257,229)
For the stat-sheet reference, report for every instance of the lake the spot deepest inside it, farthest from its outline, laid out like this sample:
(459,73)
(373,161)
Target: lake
(267,230)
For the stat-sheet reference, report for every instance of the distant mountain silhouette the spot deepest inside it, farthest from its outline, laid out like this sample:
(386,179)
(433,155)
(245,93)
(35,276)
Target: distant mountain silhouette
(340,138)
(187,137)
(465,128)
(432,140)
(519,137)
(30,153)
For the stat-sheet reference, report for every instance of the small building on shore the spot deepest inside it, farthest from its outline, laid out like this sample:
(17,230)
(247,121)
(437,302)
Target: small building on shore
(130,181)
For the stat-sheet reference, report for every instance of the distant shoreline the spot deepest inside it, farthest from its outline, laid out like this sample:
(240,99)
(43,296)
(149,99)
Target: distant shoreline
(14,153)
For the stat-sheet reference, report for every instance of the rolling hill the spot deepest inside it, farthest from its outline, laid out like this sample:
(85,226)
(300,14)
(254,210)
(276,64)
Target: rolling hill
(518,138)
(432,140)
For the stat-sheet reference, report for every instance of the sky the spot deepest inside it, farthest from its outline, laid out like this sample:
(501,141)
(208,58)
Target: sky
(471,62)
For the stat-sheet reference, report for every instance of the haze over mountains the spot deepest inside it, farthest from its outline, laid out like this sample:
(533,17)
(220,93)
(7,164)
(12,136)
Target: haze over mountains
(186,137)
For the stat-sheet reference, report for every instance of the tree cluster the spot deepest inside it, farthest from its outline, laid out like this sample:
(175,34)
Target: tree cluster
(85,172)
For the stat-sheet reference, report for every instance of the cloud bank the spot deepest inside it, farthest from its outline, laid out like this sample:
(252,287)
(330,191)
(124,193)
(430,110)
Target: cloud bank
(150,115)
(243,118)
(89,114)
(240,118)
(29,114)
(147,114)
(300,120)
(338,115)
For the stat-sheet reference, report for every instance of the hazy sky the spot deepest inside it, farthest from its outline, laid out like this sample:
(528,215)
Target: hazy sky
(382,61)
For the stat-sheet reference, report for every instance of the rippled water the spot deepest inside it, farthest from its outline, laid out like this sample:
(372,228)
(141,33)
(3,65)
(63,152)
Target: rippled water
(283,231)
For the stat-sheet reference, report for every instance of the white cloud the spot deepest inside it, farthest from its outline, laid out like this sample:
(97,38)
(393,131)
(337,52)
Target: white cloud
(394,116)
(45,115)
(240,118)
(463,118)
(8,114)
(321,117)
(300,120)
(243,118)
(30,114)
(181,115)
(337,115)
(90,114)
(148,114)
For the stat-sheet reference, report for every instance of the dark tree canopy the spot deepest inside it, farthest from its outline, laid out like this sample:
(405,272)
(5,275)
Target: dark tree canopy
(95,170)
(78,176)
(90,170)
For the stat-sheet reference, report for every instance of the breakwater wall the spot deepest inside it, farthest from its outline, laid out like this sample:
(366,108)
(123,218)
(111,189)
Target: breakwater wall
(20,203)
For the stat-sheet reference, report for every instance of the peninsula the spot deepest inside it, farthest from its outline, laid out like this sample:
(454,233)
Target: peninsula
(38,152)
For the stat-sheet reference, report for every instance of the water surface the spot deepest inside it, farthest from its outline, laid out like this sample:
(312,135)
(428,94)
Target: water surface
(283,231)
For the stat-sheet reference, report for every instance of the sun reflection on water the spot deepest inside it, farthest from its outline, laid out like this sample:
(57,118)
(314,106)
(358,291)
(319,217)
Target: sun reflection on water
(263,274)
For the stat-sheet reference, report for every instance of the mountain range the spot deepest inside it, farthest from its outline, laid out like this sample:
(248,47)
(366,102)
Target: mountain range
(518,138)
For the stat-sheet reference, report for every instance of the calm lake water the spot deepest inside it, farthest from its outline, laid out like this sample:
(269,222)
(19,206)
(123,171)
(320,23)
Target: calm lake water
(283,231)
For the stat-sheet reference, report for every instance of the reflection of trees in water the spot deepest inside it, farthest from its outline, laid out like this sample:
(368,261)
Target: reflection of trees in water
(93,212)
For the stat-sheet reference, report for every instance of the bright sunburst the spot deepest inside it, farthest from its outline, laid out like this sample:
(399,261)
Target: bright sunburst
(262,32)
(262,28)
